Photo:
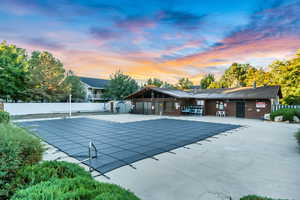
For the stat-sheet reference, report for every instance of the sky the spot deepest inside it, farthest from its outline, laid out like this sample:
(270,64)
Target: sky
(166,39)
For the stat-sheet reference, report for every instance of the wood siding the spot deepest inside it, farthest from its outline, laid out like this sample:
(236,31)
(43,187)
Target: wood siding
(250,108)
(155,106)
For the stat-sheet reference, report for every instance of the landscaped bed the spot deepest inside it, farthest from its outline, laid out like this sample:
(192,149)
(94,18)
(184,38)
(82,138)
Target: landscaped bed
(286,114)
(24,176)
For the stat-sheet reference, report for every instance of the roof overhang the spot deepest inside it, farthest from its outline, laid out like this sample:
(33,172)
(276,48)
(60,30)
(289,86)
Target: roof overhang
(210,95)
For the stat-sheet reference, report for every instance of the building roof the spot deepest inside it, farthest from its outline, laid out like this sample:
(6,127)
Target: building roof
(94,82)
(195,87)
(173,92)
(265,92)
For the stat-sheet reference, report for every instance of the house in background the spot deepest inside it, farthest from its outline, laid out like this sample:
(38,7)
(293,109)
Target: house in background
(94,88)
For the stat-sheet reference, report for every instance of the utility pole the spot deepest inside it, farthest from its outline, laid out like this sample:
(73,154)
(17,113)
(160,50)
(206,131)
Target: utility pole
(70,105)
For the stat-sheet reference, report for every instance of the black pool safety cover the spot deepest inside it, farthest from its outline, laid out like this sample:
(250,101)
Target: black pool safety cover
(120,144)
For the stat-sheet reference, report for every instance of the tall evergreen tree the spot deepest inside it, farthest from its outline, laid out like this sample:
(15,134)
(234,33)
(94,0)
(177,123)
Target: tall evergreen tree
(47,77)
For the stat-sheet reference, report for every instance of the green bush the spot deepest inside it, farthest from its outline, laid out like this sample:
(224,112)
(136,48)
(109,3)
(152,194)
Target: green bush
(4,117)
(17,149)
(297,113)
(34,174)
(74,188)
(297,135)
(287,113)
(254,197)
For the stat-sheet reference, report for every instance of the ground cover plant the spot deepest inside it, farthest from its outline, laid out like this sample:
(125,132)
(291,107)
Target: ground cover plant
(4,117)
(297,135)
(45,171)
(255,197)
(80,188)
(17,149)
(287,114)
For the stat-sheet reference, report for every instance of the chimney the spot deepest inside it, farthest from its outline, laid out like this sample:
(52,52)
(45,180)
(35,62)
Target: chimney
(254,84)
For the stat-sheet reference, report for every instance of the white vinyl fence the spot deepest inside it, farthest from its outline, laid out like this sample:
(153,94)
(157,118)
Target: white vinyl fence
(40,108)
(277,107)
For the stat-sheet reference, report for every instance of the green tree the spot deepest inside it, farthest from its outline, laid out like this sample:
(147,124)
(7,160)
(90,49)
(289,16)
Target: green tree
(120,86)
(184,83)
(167,85)
(155,82)
(47,76)
(287,75)
(13,72)
(259,76)
(216,84)
(235,75)
(75,87)
(206,81)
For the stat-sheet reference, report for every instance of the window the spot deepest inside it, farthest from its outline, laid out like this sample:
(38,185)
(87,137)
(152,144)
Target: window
(200,102)
(220,105)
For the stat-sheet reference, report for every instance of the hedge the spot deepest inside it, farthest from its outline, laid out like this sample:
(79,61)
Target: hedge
(17,149)
(255,197)
(287,113)
(47,170)
(297,135)
(4,117)
(79,188)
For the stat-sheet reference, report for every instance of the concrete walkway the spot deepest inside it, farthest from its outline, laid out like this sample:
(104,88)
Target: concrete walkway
(262,159)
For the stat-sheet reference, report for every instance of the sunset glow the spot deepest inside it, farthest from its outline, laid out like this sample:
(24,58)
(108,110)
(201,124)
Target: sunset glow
(164,39)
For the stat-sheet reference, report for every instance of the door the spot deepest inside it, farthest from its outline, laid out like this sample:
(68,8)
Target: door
(112,107)
(157,108)
(240,109)
(147,108)
(139,108)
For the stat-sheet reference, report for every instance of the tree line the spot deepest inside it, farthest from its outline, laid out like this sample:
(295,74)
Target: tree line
(285,73)
(39,77)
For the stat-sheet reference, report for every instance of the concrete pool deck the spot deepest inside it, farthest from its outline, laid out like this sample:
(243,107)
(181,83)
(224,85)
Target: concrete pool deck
(261,159)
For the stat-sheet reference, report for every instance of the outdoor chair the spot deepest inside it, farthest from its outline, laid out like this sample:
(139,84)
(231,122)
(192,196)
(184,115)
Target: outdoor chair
(220,113)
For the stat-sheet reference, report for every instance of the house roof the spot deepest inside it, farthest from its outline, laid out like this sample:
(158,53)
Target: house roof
(171,92)
(265,92)
(94,82)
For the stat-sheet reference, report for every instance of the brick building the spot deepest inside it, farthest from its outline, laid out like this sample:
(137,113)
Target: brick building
(248,102)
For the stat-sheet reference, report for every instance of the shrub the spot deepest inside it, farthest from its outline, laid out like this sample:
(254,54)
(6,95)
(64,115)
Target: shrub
(254,197)
(74,188)
(4,117)
(34,174)
(297,113)
(17,149)
(287,113)
(297,135)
